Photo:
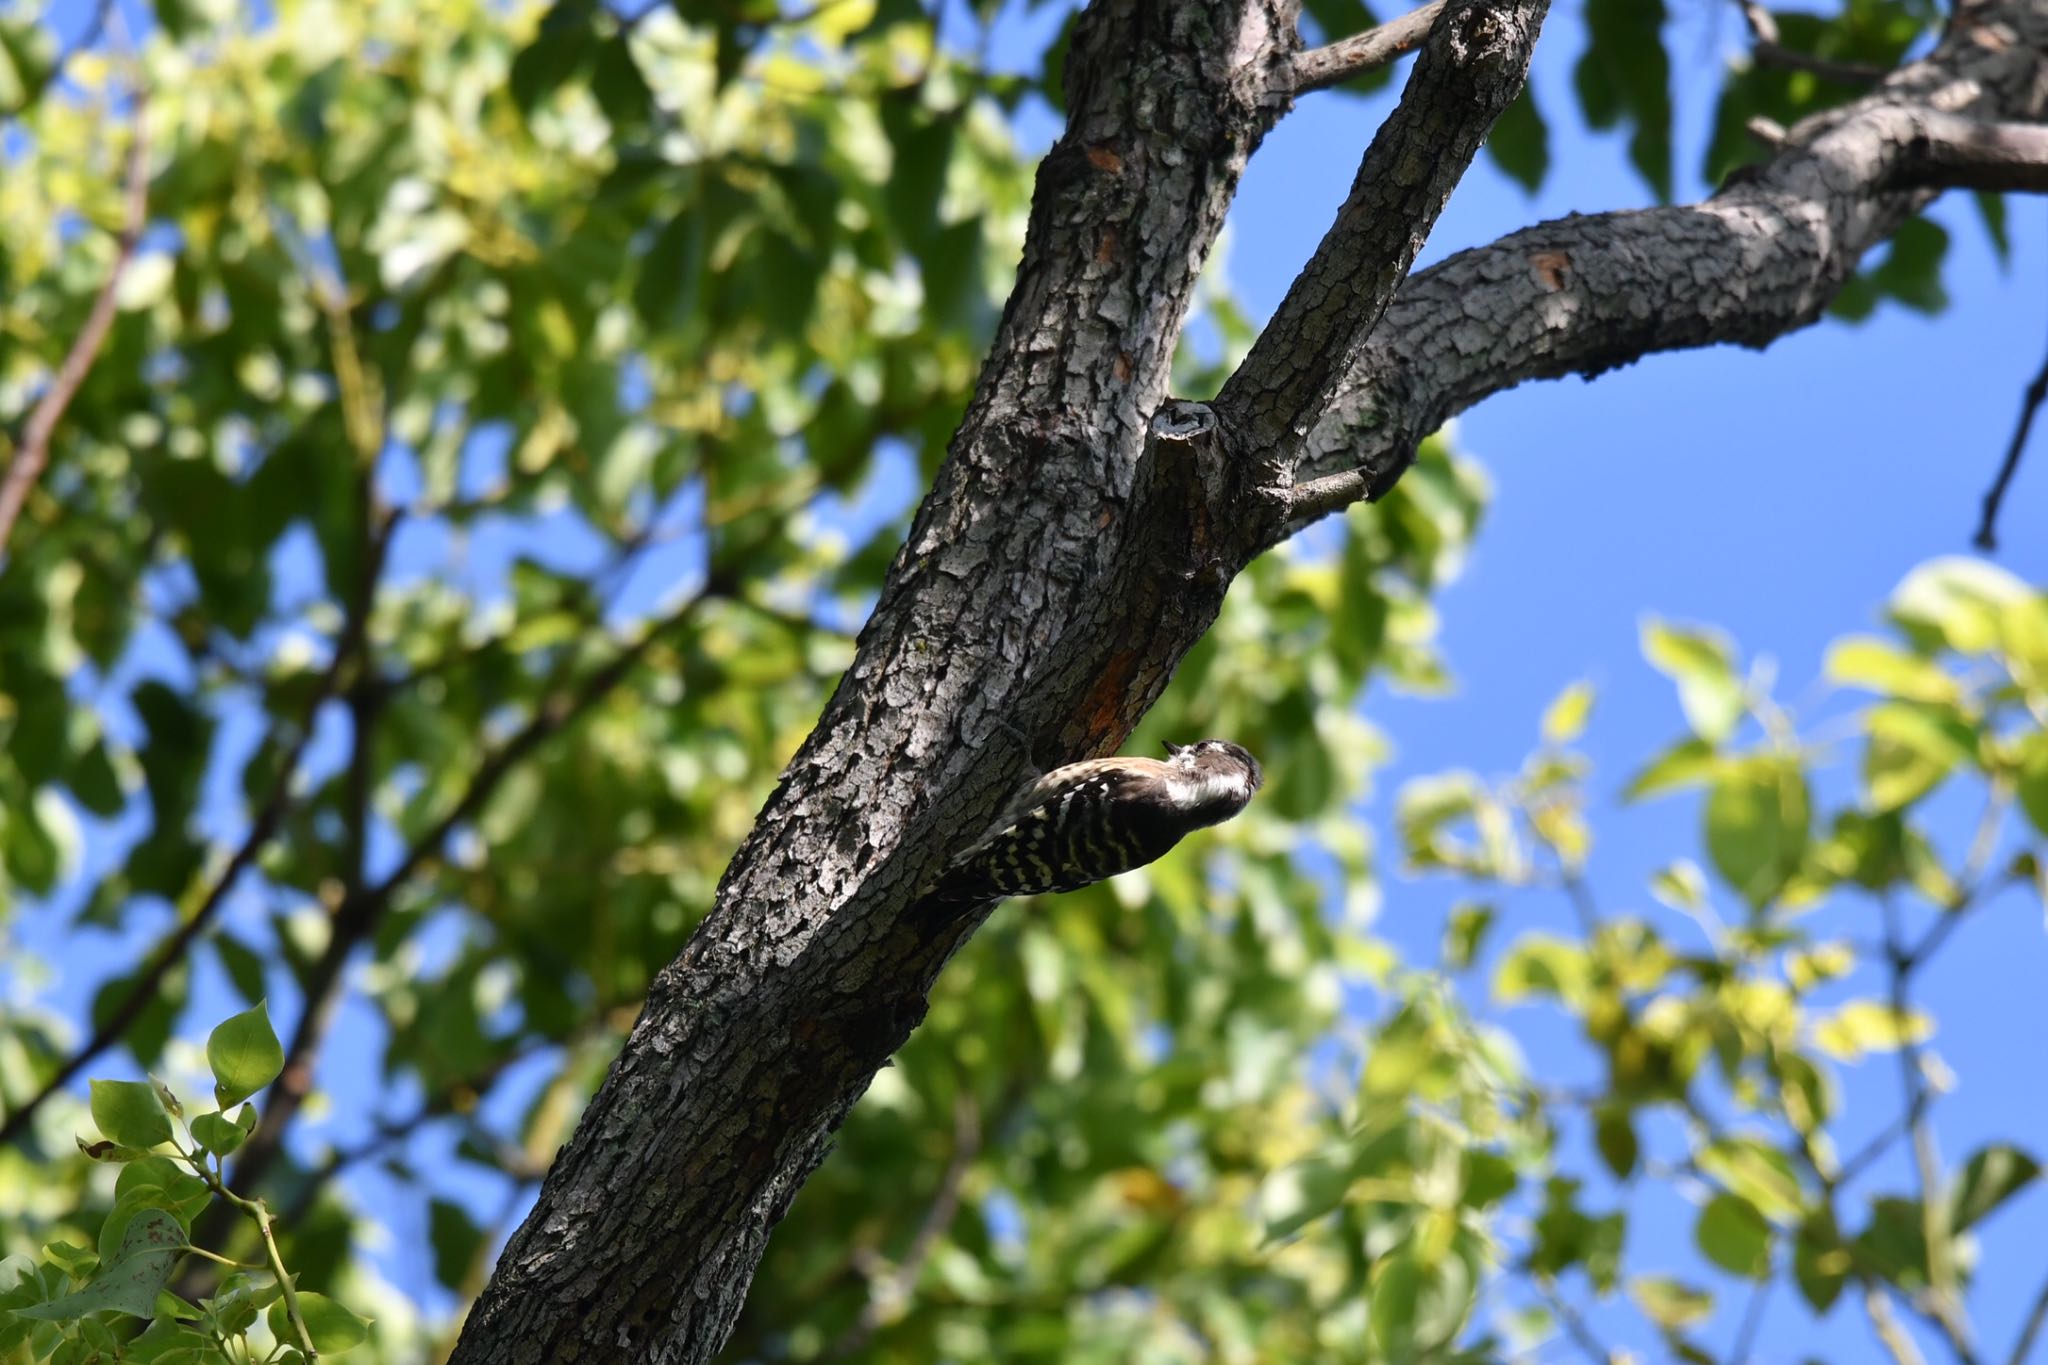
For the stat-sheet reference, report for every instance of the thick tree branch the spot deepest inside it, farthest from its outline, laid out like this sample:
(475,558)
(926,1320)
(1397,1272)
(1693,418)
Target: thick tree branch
(801,980)
(1765,256)
(1318,68)
(1948,152)
(1472,68)
(34,451)
(1076,543)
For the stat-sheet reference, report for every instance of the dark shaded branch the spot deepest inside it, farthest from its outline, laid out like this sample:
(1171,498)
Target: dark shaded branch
(1866,1155)
(348,651)
(1950,152)
(1318,68)
(1574,1323)
(1471,69)
(2031,1329)
(1768,51)
(2031,399)
(34,451)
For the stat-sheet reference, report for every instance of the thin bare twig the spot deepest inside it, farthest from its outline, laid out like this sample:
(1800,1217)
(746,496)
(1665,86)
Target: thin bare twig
(34,452)
(1574,1325)
(1894,1338)
(1752,1320)
(1942,1302)
(2030,403)
(1318,68)
(1768,51)
(1870,1151)
(2036,1316)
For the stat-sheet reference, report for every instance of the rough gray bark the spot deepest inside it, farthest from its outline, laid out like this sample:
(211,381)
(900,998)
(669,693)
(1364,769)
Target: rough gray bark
(1584,294)
(1078,541)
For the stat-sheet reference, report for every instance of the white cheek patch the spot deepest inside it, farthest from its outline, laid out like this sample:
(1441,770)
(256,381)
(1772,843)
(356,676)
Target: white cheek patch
(1208,789)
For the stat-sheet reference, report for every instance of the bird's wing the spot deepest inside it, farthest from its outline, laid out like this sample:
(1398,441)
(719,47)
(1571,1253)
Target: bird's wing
(1047,786)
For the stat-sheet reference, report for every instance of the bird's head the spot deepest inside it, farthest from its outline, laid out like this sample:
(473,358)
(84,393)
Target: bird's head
(1219,775)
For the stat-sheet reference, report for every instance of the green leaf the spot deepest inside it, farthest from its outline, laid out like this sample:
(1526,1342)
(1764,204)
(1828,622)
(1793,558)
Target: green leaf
(1702,663)
(1991,1176)
(1624,76)
(455,1238)
(243,965)
(218,1134)
(2032,786)
(672,271)
(77,1261)
(1465,935)
(1297,1195)
(1734,1236)
(1875,665)
(1820,1263)
(1895,1243)
(334,1329)
(130,1113)
(1911,269)
(244,1054)
(1689,763)
(1672,1305)
(1565,718)
(1614,1134)
(1913,747)
(1864,1026)
(1757,825)
(1758,1173)
(1682,885)
(1336,19)
(1955,602)
(130,1281)
(1991,209)
(1542,964)
(564,47)
(113,1153)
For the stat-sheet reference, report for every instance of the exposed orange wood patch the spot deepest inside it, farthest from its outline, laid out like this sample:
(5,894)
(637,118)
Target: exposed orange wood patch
(1554,268)
(1102,713)
(1105,159)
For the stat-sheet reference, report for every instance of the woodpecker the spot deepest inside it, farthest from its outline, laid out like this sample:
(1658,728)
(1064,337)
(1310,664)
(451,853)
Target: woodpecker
(1076,825)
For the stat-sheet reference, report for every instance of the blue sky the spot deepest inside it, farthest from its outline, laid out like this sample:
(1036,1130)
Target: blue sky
(1780,495)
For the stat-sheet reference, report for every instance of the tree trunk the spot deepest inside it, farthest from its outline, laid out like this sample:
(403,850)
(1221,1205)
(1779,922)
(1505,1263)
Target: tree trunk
(1079,539)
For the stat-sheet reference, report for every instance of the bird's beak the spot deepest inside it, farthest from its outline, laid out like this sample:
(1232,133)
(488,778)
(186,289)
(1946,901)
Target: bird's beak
(1173,750)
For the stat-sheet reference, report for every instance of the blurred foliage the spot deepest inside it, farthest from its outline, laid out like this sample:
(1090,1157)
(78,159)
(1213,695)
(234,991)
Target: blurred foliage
(508,416)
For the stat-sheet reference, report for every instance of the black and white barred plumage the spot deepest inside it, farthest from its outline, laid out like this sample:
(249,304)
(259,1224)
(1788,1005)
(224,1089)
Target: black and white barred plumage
(1088,821)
